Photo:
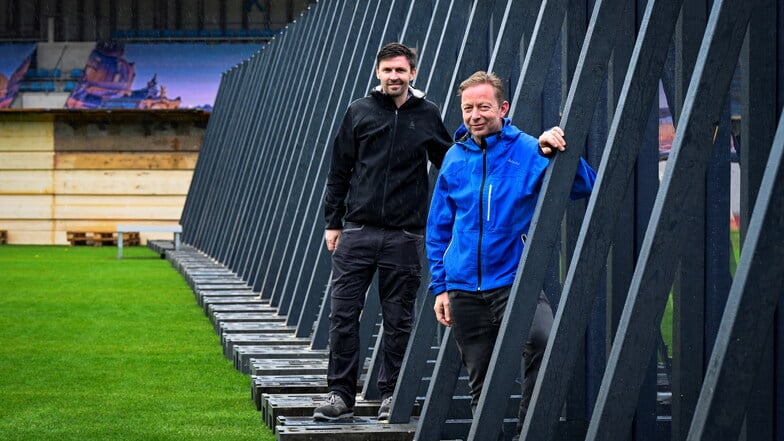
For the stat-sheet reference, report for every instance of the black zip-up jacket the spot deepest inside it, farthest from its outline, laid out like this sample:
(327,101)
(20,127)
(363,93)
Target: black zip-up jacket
(378,175)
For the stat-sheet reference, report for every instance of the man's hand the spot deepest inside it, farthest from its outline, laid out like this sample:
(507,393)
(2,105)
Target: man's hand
(552,141)
(443,315)
(332,237)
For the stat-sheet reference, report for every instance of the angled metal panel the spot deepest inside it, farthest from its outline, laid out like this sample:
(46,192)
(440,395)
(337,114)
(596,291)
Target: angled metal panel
(265,132)
(230,230)
(515,29)
(368,322)
(296,110)
(320,337)
(234,150)
(275,258)
(312,298)
(440,390)
(216,164)
(621,256)
(531,81)
(192,215)
(758,118)
(578,111)
(437,11)
(650,285)
(362,87)
(395,22)
(230,153)
(415,29)
(276,96)
(322,105)
(509,34)
(234,154)
(241,247)
(422,15)
(473,55)
(312,253)
(230,234)
(447,48)
(573,35)
(689,296)
(190,209)
(370,387)
(407,386)
(414,364)
(749,314)
(333,106)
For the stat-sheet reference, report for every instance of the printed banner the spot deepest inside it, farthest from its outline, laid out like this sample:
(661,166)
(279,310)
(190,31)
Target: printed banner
(155,75)
(14,61)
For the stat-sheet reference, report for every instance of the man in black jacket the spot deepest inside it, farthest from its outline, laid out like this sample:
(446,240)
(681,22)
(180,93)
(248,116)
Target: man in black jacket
(376,208)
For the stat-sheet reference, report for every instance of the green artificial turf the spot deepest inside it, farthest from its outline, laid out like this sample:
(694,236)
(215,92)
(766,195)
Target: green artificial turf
(95,348)
(666,325)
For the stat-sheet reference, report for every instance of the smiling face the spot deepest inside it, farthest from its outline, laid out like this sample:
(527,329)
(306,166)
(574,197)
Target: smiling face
(482,113)
(395,74)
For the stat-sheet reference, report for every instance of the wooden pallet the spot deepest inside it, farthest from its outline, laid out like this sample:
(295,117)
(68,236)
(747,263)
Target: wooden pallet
(131,238)
(77,237)
(100,238)
(104,238)
(3,237)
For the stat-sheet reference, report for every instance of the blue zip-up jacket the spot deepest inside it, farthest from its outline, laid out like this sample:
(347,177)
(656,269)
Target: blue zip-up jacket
(482,206)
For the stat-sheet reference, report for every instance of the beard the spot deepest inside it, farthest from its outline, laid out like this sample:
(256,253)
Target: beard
(399,89)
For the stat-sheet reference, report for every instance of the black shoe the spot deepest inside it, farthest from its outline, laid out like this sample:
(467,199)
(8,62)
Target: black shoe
(383,410)
(333,409)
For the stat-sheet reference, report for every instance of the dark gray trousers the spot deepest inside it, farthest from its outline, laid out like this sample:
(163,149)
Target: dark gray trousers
(363,250)
(476,319)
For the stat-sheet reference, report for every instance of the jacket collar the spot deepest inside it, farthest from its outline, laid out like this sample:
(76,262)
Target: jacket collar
(463,136)
(413,95)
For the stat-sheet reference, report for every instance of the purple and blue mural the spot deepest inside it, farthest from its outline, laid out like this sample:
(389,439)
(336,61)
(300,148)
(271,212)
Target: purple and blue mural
(14,61)
(667,125)
(155,76)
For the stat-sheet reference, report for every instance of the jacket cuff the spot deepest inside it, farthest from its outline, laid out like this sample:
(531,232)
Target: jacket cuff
(437,289)
(333,222)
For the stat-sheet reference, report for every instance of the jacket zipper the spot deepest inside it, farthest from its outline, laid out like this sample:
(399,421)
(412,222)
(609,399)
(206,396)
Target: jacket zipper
(386,175)
(489,201)
(481,221)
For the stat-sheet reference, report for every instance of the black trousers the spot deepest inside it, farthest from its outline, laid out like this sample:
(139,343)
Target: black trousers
(476,319)
(363,250)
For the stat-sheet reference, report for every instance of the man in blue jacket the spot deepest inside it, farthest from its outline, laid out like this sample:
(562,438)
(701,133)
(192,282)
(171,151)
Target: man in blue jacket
(480,213)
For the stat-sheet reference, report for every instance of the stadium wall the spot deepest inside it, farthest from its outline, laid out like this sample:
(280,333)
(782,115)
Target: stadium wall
(88,171)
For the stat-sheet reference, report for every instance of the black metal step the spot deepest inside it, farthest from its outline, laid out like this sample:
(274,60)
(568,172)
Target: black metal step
(206,301)
(289,367)
(238,308)
(361,428)
(243,317)
(358,428)
(255,328)
(259,347)
(302,405)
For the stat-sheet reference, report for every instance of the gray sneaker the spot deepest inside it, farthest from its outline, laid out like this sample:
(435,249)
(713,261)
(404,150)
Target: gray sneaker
(333,409)
(383,410)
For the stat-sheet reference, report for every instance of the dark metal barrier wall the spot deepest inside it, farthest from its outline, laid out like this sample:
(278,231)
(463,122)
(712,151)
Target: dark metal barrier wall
(610,264)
